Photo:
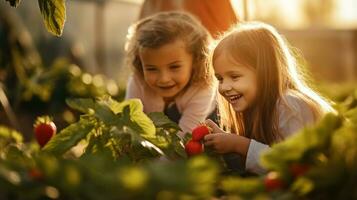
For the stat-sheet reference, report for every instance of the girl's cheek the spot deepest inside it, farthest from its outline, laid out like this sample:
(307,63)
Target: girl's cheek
(220,89)
(149,78)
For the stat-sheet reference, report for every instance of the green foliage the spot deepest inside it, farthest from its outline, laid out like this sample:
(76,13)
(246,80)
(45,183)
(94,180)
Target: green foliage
(131,155)
(8,136)
(54,15)
(305,146)
(69,137)
(337,92)
(245,187)
(162,121)
(121,129)
(326,154)
(97,176)
(117,135)
(166,137)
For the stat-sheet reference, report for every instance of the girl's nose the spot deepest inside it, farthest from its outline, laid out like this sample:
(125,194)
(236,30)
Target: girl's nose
(164,77)
(225,87)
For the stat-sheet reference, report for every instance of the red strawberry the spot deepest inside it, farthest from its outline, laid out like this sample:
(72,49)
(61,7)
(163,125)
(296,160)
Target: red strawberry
(199,132)
(193,148)
(35,174)
(273,182)
(44,130)
(298,169)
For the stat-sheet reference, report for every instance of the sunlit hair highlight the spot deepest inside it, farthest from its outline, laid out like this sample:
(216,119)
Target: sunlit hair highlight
(261,47)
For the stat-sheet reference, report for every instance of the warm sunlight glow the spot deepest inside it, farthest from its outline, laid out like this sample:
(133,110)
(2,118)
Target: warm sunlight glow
(287,10)
(292,17)
(238,7)
(292,14)
(346,15)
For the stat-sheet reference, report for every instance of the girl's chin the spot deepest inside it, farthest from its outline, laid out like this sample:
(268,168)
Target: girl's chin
(167,95)
(238,108)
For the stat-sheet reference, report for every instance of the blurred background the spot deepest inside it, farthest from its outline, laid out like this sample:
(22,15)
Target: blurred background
(88,59)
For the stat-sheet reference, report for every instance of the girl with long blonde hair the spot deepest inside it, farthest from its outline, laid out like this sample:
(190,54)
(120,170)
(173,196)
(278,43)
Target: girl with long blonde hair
(264,96)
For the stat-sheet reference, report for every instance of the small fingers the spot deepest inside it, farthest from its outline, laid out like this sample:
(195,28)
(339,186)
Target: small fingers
(208,142)
(215,128)
(209,137)
(210,124)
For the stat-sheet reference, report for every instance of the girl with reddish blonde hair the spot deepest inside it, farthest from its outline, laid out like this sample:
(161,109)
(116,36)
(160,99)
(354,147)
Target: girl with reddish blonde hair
(264,96)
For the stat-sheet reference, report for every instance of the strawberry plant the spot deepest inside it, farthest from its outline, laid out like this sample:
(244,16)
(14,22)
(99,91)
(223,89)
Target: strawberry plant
(121,129)
(107,168)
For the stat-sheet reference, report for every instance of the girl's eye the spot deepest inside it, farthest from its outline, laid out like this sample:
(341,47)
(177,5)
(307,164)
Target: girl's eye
(175,66)
(235,77)
(152,69)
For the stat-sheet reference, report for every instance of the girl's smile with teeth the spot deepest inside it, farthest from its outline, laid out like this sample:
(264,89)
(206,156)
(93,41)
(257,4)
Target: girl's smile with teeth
(234,98)
(166,87)
(237,82)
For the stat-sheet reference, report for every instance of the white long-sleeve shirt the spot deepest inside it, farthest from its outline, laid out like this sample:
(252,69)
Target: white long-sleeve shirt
(194,105)
(292,117)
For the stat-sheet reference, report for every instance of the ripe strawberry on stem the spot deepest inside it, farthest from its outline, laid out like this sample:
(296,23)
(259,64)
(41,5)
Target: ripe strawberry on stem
(199,132)
(193,148)
(35,174)
(273,182)
(298,169)
(44,129)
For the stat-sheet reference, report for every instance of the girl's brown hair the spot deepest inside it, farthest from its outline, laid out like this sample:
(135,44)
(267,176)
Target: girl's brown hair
(165,27)
(260,46)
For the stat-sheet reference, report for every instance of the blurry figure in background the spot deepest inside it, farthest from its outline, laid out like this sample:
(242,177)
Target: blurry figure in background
(76,54)
(168,53)
(263,95)
(216,15)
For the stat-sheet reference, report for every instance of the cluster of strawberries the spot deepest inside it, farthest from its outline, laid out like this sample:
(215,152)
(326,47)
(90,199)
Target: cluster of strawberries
(195,146)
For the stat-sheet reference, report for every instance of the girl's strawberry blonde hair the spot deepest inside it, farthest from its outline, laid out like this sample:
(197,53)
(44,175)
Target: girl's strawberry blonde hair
(260,46)
(165,27)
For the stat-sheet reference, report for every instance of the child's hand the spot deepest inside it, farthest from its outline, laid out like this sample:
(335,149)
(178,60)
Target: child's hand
(214,127)
(223,142)
(219,140)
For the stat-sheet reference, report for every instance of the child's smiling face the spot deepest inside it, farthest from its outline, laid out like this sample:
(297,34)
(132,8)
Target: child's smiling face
(237,83)
(167,69)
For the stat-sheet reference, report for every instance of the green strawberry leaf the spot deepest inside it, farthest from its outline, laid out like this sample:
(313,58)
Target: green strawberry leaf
(162,121)
(69,137)
(54,15)
(133,109)
(83,105)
